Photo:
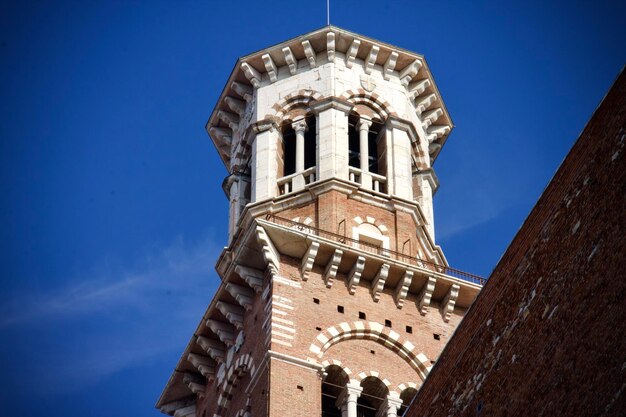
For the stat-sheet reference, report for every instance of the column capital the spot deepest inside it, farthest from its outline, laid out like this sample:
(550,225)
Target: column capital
(351,392)
(393,400)
(299,125)
(364,123)
(390,406)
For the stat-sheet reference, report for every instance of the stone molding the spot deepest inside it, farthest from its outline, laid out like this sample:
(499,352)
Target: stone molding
(376,332)
(234,373)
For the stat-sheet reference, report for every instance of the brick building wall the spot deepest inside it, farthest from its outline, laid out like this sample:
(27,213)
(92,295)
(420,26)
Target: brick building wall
(547,335)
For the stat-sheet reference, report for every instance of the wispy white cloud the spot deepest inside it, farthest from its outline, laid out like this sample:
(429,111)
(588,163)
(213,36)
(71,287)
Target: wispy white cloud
(114,318)
(177,267)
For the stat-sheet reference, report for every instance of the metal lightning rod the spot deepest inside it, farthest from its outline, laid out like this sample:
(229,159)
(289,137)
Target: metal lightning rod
(327,12)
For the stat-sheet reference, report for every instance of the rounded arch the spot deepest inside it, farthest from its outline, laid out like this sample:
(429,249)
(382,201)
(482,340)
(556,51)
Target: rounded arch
(371,374)
(244,364)
(334,380)
(374,395)
(406,396)
(379,105)
(371,231)
(334,362)
(403,387)
(301,98)
(377,332)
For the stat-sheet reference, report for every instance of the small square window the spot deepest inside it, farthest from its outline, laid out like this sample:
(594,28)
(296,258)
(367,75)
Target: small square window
(362,315)
(437,336)
(409,329)
(340,309)
(387,323)
(316,300)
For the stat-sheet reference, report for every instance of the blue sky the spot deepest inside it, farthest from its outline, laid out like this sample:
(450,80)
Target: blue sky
(112,215)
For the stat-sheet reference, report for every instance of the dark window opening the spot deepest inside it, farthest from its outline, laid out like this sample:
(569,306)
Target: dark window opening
(373,352)
(362,315)
(332,386)
(387,323)
(289,147)
(310,142)
(353,142)
(372,398)
(289,150)
(375,144)
(340,309)
(406,396)
(316,300)
(436,336)
(409,329)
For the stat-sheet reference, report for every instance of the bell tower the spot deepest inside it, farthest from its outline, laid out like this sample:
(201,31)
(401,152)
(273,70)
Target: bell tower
(334,298)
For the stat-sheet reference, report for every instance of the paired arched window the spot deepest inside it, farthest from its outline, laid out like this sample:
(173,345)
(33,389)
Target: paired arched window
(372,395)
(297,151)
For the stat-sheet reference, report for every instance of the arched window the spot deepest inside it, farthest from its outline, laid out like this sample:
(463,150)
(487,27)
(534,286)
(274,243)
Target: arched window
(407,396)
(372,397)
(297,154)
(366,150)
(332,386)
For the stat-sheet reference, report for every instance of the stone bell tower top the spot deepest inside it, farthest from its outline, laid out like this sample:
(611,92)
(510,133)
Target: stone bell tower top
(351,63)
(374,109)
(334,298)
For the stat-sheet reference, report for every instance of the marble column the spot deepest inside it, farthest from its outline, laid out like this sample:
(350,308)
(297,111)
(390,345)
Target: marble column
(347,400)
(299,126)
(364,125)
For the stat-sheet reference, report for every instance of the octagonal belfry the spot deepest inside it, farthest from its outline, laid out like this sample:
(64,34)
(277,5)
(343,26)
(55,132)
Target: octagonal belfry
(334,297)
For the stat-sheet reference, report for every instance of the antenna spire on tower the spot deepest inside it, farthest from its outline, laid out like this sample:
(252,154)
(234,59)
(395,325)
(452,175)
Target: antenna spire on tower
(328,12)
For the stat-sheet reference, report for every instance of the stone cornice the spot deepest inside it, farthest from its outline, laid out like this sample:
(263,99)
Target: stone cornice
(264,125)
(331,103)
(325,46)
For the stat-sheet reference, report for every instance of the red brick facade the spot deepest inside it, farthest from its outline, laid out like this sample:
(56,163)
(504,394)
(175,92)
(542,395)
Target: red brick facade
(547,335)
(296,318)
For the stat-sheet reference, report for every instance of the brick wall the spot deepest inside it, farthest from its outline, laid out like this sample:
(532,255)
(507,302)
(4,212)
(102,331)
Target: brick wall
(547,335)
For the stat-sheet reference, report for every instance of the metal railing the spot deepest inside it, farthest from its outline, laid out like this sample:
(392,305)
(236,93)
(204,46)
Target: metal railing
(371,248)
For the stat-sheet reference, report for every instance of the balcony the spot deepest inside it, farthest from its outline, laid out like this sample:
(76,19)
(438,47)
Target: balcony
(376,250)
(296,182)
(368,180)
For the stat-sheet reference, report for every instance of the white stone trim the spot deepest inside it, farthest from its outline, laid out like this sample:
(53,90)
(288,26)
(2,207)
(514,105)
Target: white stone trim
(270,254)
(355,274)
(402,288)
(447,306)
(308,260)
(425,295)
(378,283)
(331,268)
(372,331)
